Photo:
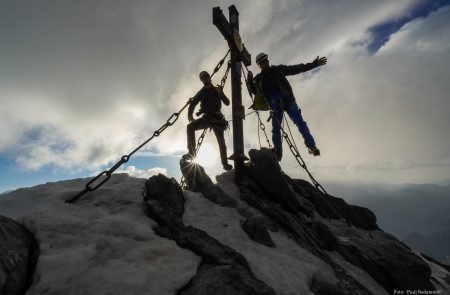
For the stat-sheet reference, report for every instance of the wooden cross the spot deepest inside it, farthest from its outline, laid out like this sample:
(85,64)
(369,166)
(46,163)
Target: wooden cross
(238,53)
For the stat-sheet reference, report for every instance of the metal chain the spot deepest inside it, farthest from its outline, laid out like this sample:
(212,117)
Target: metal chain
(199,143)
(292,147)
(225,76)
(106,175)
(222,85)
(261,124)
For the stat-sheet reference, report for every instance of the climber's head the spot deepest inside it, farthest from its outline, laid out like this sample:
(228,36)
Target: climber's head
(205,77)
(262,60)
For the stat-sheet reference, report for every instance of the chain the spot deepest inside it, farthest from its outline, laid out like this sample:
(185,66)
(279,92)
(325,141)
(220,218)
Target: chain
(199,143)
(104,176)
(260,123)
(292,146)
(225,76)
(302,163)
(219,65)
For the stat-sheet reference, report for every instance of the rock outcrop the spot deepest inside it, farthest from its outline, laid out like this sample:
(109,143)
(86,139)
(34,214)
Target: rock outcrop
(18,256)
(270,235)
(223,270)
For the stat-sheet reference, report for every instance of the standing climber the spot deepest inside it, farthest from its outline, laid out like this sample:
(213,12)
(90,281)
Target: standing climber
(272,86)
(210,99)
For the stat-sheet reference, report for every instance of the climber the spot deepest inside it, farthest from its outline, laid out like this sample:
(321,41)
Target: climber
(272,86)
(210,99)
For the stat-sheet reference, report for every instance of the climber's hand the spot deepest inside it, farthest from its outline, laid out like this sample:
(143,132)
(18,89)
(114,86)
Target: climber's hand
(250,76)
(321,61)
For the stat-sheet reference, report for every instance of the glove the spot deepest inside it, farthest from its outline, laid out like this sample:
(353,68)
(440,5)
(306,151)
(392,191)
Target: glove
(320,61)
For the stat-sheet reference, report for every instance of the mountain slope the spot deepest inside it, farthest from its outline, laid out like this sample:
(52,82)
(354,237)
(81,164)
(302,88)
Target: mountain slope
(270,235)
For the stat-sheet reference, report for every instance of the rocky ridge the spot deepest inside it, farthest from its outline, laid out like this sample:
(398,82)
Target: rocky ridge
(279,224)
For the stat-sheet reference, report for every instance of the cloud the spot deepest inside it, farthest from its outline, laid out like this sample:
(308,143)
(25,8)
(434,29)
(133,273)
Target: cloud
(141,173)
(88,82)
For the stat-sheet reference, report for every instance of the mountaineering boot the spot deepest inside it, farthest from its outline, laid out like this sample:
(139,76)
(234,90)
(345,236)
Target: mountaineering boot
(227,167)
(314,151)
(188,157)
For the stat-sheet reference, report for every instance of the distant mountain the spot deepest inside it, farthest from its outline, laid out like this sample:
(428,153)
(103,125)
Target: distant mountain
(436,245)
(402,210)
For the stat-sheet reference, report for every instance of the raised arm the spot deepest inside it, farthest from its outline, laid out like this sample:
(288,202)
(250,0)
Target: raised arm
(250,83)
(301,68)
(223,97)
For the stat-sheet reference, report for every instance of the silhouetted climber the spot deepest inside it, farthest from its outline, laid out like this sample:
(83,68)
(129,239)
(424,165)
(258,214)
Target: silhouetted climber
(271,84)
(210,99)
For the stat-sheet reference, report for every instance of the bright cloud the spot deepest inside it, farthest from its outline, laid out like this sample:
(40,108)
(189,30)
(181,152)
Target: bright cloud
(83,84)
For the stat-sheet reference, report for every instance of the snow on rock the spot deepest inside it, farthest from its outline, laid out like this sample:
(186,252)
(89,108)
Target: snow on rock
(215,238)
(103,244)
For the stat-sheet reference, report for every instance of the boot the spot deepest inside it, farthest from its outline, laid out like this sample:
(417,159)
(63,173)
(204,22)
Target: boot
(314,151)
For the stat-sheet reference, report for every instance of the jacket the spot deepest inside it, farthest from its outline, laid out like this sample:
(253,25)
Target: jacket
(280,72)
(210,100)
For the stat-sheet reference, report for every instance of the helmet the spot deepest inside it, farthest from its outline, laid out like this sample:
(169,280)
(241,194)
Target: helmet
(203,73)
(261,57)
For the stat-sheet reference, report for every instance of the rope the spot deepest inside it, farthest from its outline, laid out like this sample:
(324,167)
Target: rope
(106,175)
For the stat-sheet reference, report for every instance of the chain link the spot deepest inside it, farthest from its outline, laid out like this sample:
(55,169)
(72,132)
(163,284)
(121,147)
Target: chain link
(104,176)
(260,123)
(292,146)
(199,143)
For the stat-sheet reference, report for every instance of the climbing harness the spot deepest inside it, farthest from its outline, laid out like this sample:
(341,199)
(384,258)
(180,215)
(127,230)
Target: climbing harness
(104,176)
(213,120)
(292,146)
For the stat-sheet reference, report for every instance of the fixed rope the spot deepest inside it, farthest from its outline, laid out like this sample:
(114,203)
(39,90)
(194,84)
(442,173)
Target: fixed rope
(104,176)
(292,146)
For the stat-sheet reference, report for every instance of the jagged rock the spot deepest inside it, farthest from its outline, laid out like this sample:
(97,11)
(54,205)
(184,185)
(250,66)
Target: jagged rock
(202,244)
(223,270)
(335,208)
(319,287)
(386,259)
(225,280)
(18,256)
(265,170)
(303,231)
(257,231)
(198,181)
(164,199)
(350,230)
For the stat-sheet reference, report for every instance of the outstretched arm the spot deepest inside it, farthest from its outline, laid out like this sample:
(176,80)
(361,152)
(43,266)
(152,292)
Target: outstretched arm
(301,68)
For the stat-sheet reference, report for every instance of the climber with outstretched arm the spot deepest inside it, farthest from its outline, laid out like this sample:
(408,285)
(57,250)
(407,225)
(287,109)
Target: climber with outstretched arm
(272,86)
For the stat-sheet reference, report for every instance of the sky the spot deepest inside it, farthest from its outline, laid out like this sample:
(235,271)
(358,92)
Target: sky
(84,82)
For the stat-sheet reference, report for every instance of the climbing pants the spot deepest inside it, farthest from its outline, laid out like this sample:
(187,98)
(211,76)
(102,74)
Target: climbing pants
(203,123)
(295,114)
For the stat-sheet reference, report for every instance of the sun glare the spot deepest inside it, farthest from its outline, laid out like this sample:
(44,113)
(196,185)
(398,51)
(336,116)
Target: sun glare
(207,155)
